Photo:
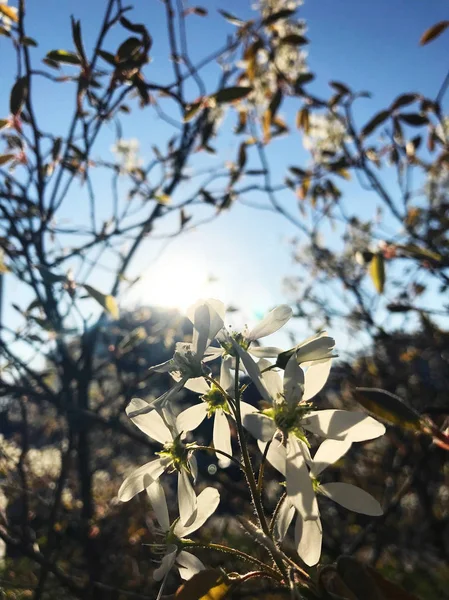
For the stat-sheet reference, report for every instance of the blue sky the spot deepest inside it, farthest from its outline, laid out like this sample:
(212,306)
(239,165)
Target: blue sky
(368,45)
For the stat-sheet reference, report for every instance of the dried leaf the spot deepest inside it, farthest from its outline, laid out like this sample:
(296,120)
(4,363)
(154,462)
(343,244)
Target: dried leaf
(4,158)
(433,32)
(19,94)
(377,120)
(231,94)
(9,12)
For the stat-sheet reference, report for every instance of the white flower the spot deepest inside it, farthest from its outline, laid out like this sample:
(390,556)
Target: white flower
(5,21)
(127,151)
(291,411)
(301,473)
(215,405)
(174,535)
(326,134)
(188,360)
(272,322)
(175,456)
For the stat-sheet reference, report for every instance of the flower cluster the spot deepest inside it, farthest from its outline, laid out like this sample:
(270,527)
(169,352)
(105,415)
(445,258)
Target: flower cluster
(326,134)
(286,425)
(127,152)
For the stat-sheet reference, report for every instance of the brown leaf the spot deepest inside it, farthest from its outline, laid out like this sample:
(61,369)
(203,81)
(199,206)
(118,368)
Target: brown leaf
(433,32)
(377,120)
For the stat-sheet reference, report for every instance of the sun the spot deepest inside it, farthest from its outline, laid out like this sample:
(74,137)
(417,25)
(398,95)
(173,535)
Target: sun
(176,283)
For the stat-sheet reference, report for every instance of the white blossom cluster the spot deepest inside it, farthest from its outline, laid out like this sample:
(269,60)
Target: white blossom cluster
(286,382)
(326,133)
(279,59)
(127,152)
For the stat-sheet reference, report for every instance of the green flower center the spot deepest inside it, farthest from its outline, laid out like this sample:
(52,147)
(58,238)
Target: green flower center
(215,400)
(289,417)
(178,452)
(241,341)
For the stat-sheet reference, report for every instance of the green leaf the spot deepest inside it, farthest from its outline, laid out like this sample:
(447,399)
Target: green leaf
(28,41)
(107,301)
(210,584)
(4,123)
(421,253)
(433,32)
(377,120)
(19,94)
(51,63)
(64,57)
(377,272)
(4,158)
(231,94)
(388,407)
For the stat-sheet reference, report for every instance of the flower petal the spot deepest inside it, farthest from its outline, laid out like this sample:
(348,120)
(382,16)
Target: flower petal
(271,379)
(329,452)
(351,497)
(260,426)
(207,503)
(222,437)
(193,464)
(293,382)
(247,409)
(284,518)
(167,563)
(265,351)
(158,501)
(187,499)
(299,485)
(134,483)
(198,385)
(273,321)
(308,539)
(191,418)
(226,376)
(253,371)
(343,424)
(188,565)
(316,377)
(276,455)
(201,326)
(317,347)
(151,423)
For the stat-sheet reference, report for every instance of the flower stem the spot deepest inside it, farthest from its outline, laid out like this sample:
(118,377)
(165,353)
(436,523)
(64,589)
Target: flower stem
(255,495)
(216,451)
(238,553)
